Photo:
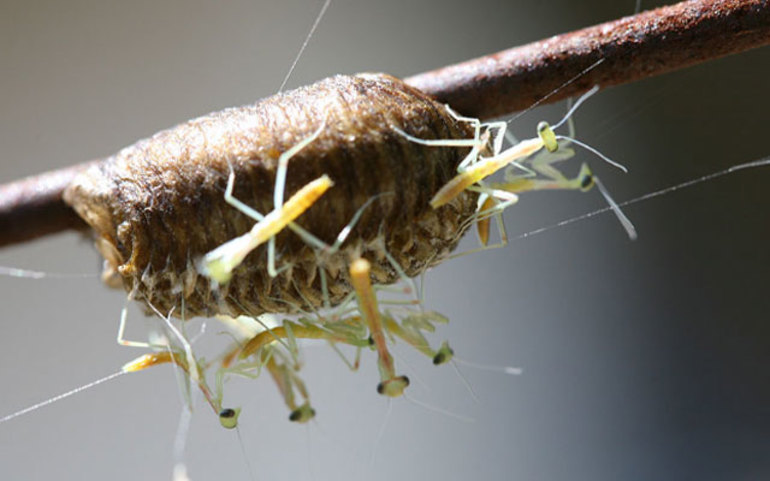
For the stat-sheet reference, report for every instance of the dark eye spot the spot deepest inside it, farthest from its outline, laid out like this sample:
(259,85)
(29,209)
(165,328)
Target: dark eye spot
(439,358)
(587,182)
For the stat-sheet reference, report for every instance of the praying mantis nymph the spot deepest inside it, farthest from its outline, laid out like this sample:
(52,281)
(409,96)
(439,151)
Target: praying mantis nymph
(310,201)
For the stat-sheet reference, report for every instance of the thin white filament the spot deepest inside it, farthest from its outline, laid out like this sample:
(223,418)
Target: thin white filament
(577,104)
(60,397)
(624,221)
(380,433)
(510,370)
(557,89)
(439,410)
(29,274)
(180,441)
(594,151)
(246,458)
(304,44)
(748,165)
(465,382)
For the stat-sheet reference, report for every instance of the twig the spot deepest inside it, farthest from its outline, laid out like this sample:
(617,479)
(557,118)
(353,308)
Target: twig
(633,48)
(33,207)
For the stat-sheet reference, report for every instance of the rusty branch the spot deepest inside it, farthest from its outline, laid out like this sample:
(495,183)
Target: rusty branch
(632,48)
(33,207)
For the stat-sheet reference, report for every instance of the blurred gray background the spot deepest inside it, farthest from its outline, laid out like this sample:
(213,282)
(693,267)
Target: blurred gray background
(642,360)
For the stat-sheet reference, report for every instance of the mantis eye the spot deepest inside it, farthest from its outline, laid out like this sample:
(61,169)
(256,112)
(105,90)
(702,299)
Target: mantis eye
(228,418)
(444,354)
(302,414)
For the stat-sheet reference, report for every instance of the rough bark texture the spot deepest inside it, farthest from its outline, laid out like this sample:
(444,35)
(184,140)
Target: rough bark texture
(633,48)
(157,207)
